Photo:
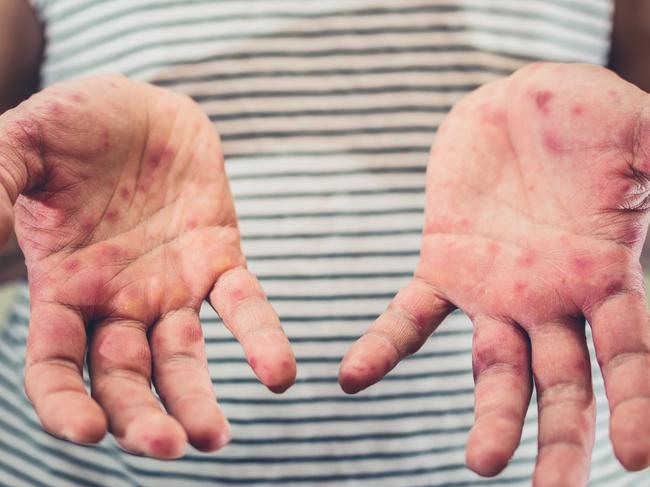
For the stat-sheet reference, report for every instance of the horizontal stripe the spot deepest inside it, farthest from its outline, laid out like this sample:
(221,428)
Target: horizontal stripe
(393,377)
(321,53)
(357,91)
(58,453)
(343,192)
(333,255)
(334,172)
(328,112)
(319,277)
(569,23)
(315,339)
(501,479)
(335,72)
(284,459)
(284,134)
(348,438)
(306,319)
(51,469)
(558,40)
(347,399)
(331,214)
(7,468)
(423,149)
(330,297)
(86,9)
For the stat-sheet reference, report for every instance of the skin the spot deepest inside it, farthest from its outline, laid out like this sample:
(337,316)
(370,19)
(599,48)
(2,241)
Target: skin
(71,315)
(104,177)
(631,35)
(537,209)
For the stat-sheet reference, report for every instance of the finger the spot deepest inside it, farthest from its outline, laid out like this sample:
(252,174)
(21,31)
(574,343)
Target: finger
(240,301)
(53,374)
(412,316)
(501,363)
(621,331)
(120,371)
(183,381)
(565,403)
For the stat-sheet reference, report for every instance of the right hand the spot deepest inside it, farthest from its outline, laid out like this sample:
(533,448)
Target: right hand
(127,224)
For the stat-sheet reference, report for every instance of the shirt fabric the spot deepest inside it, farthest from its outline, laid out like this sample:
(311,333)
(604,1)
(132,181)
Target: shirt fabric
(326,111)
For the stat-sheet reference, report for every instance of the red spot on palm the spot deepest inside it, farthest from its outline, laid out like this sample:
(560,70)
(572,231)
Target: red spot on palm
(520,287)
(527,258)
(542,100)
(158,155)
(582,264)
(112,215)
(553,144)
(578,109)
(71,265)
(493,248)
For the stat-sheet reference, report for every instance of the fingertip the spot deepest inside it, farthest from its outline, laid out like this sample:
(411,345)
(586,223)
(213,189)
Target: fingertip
(492,443)
(87,428)
(207,428)
(155,435)
(74,417)
(278,376)
(210,439)
(355,377)
(630,431)
(486,457)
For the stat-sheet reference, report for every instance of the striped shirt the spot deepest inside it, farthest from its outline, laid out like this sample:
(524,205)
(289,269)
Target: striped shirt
(326,112)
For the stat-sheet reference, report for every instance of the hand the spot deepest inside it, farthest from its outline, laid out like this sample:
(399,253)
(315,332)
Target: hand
(537,208)
(126,220)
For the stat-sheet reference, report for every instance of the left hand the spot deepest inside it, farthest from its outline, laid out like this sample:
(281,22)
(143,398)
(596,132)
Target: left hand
(537,208)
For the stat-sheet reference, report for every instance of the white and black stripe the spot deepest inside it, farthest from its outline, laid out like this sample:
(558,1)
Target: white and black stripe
(326,112)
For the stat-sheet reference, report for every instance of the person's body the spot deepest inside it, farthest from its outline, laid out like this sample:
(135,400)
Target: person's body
(326,113)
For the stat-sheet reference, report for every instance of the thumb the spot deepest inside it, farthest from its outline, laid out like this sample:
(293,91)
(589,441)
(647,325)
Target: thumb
(22,160)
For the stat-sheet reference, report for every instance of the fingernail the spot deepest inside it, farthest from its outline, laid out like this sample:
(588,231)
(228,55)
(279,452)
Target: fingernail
(224,439)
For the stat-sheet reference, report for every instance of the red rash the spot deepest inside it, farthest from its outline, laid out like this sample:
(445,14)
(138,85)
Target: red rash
(71,265)
(493,248)
(125,194)
(237,295)
(578,109)
(112,215)
(613,287)
(88,226)
(526,259)
(157,155)
(111,253)
(54,109)
(581,264)
(520,287)
(552,144)
(542,99)
(189,335)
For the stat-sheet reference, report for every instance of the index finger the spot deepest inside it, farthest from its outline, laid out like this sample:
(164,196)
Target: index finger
(240,301)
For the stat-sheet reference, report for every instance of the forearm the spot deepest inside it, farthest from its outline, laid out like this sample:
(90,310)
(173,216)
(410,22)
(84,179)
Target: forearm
(21,45)
(631,37)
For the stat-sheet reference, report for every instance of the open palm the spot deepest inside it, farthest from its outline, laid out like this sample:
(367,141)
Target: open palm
(537,208)
(127,224)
